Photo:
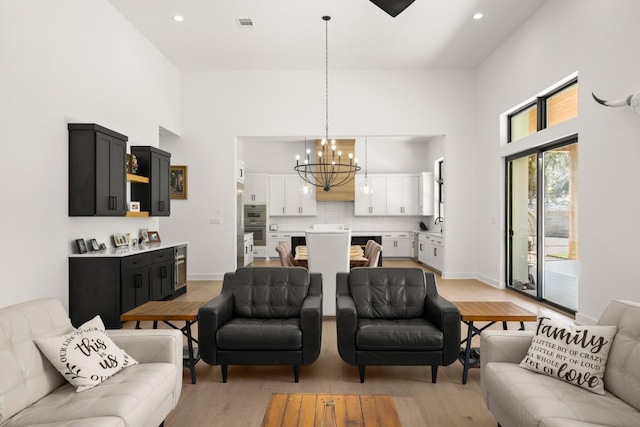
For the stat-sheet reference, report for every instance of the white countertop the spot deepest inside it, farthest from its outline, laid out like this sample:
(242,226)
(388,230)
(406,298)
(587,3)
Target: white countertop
(124,251)
(298,233)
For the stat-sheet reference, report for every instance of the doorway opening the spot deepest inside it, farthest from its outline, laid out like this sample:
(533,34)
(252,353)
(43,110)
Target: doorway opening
(542,223)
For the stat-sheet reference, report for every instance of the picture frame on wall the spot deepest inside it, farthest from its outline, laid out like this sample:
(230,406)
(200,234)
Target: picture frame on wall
(154,236)
(178,182)
(82,246)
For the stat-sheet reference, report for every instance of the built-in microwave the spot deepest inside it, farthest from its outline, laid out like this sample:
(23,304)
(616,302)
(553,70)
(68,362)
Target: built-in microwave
(255,214)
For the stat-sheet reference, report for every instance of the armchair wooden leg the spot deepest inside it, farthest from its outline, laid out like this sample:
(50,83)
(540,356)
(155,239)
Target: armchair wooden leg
(361,369)
(223,369)
(434,373)
(296,372)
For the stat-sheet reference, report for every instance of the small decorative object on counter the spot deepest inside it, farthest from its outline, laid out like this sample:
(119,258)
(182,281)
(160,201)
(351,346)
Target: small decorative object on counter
(82,247)
(144,235)
(154,237)
(93,245)
(120,240)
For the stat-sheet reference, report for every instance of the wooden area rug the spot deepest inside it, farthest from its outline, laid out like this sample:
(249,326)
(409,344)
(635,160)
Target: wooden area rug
(310,410)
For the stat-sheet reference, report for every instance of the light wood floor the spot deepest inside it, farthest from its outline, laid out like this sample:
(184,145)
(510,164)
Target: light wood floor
(243,400)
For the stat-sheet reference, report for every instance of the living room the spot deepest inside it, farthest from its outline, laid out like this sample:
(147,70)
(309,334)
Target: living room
(83,62)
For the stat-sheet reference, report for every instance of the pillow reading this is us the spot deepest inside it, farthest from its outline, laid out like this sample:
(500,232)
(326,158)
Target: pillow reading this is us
(87,356)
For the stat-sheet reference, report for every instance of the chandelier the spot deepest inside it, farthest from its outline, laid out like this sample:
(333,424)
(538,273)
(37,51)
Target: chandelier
(327,168)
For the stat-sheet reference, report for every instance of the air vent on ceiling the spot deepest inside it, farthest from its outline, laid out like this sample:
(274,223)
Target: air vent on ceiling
(245,22)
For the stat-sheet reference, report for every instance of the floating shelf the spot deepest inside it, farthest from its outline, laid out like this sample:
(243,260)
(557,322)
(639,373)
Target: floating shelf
(137,178)
(129,213)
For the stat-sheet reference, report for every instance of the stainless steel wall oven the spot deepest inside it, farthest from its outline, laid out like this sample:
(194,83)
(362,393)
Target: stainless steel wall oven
(255,221)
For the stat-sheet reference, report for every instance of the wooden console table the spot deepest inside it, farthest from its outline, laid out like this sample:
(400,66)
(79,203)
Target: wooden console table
(302,409)
(489,311)
(166,312)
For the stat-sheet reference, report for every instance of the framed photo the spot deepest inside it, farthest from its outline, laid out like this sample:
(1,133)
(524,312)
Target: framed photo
(154,237)
(119,240)
(178,182)
(134,206)
(82,247)
(93,245)
(144,235)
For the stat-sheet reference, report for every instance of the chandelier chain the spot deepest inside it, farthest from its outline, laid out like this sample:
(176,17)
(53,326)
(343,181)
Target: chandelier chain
(326,77)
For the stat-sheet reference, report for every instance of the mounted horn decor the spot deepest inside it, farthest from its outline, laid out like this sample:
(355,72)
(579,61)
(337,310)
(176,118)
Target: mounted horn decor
(632,101)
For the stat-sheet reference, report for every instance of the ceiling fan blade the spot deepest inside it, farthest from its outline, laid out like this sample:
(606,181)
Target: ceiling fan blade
(392,7)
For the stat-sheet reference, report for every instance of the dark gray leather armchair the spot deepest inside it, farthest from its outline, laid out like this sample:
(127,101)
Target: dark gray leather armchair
(263,316)
(394,316)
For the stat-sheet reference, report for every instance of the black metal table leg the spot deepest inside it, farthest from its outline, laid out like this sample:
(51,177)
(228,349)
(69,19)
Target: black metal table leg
(192,362)
(467,352)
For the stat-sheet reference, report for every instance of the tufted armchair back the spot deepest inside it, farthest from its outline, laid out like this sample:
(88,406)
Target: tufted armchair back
(388,293)
(267,293)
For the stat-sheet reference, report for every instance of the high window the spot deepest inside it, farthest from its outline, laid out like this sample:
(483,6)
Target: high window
(545,111)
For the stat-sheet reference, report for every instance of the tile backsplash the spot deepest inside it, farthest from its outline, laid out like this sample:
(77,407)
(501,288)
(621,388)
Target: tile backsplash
(342,213)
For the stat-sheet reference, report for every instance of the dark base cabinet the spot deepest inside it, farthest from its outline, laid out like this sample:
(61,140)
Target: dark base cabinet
(110,286)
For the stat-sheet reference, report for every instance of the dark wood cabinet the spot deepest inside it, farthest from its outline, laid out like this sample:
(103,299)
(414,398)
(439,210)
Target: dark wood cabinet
(97,184)
(155,164)
(162,274)
(110,286)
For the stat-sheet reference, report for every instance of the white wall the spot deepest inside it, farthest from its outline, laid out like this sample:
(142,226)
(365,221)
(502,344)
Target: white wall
(217,107)
(599,40)
(75,61)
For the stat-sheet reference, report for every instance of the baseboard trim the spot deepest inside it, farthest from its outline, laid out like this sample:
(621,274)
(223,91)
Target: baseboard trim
(205,276)
(582,319)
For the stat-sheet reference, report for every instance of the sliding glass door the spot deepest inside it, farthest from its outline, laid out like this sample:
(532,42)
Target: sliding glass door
(542,223)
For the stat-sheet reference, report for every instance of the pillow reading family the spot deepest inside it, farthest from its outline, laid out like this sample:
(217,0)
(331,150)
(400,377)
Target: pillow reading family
(86,356)
(575,354)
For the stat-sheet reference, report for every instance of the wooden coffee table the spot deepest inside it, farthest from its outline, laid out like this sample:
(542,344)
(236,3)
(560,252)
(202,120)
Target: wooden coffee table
(357,410)
(487,311)
(166,312)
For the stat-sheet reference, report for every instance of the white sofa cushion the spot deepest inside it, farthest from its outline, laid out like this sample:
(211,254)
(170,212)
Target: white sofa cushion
(131,396)
(529,398)
(575,354)
(87,356)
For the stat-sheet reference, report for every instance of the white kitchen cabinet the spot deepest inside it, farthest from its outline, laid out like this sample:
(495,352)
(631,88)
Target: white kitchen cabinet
(423,248)
(402,195)
(248,249)
(397,245)
(374,203)
(256,189)
(259,252)
(435,253)
(239,171)
(286,198)
(426,194)
(431,251)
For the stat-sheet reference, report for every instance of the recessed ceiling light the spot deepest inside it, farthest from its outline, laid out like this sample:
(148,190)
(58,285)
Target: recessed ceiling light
(178,18)
(478,15)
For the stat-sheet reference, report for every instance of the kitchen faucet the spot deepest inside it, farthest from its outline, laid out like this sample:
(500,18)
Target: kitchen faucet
(439,220)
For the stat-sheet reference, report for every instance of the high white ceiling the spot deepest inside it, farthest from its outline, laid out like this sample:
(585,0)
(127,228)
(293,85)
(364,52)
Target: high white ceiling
(290,34)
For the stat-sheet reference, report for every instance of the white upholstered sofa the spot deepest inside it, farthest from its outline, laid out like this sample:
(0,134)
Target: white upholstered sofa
(521,398)
(33,392)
